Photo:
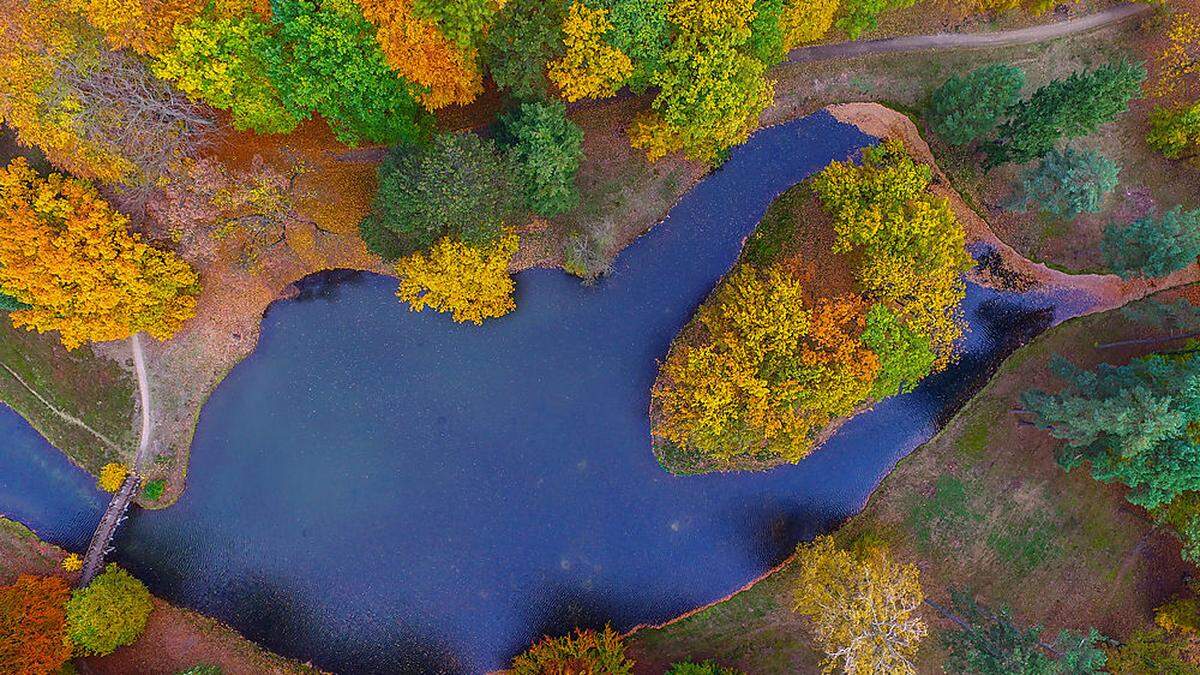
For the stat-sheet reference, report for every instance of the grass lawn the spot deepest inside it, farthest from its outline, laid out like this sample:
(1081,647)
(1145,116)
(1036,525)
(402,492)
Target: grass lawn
(982,506)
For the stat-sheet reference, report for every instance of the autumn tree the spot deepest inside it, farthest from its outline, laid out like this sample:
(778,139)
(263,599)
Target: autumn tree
(108,613)
(966,108)
(913,247)
(418,47)
(770,373)
(457,186)
(1175,132)
(470,283)
(711,93)
(1063,109)
(590,67)
(94,112)
(1154,245)
(525,36)
(214,212)
(112,476)
(804,21)
(65,252)
(1132,423)
(987,641)
(1153,651)
(545,148)
(33,625)
(585,651)
(225,61)
(1068,182)
(1177,66)
(862,606)
(145,26)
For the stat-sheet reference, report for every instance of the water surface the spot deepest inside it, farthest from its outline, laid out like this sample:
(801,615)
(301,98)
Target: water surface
(385,491)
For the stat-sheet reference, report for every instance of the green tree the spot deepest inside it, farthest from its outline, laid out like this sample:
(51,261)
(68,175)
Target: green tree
(641,31)
(966,108)
(458,185)
(223,61)
(330,62)
(1153,246)
(545,147)
(863,15)
(1132,423)
(525,36)
(1067,183)
(1175,132)
(108,613)
(766,32)
(705,668)
(202,669)
(905,356)
(987,642)
(1068,108)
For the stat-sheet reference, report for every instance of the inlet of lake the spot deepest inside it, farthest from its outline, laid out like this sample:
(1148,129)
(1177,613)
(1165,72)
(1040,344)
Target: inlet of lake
(383,491)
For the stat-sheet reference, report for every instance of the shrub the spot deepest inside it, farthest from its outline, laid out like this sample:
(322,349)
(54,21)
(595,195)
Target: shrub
(705,668)
(109,613)
(587,651)
(1175,132)
(546,148)
(458,186)
(72,562)
(154,489)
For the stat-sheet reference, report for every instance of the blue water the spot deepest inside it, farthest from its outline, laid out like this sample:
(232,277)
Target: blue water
(385,491)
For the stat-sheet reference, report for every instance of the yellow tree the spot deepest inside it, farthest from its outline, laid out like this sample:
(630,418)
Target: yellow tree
(1178,64)
(418,50)
(69,255)
(804,21)
(590,68)
(112,477)
(145,26)
(472,284)
(862,606)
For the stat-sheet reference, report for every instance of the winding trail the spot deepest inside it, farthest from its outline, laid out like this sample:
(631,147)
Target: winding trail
(68,417)
(1008,38)
(114,515)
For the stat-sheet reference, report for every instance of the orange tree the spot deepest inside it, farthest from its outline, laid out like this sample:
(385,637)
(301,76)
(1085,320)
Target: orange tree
(586,652)
(70,256)
(33,625)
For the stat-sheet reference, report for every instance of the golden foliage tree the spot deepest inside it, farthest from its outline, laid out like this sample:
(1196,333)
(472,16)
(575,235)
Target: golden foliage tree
(145,26)
(765,372)
(1176,67)
(472,284)
(33,626)
(862,605)
(590,68)
(804,21)
(418,50)
(913,246)
(70,256)
(711,93)
(112,477)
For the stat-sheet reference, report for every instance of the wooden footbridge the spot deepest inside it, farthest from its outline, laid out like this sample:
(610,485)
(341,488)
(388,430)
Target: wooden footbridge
(114,515)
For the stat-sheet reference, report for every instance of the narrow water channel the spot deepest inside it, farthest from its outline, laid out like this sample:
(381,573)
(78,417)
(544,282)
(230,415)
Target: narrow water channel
(385,491)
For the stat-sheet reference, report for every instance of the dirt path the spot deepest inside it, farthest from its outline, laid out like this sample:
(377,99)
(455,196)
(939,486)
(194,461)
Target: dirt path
(139,365)
(1009,38)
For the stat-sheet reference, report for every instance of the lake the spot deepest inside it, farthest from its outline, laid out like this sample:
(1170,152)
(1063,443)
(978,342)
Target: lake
(379,490)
